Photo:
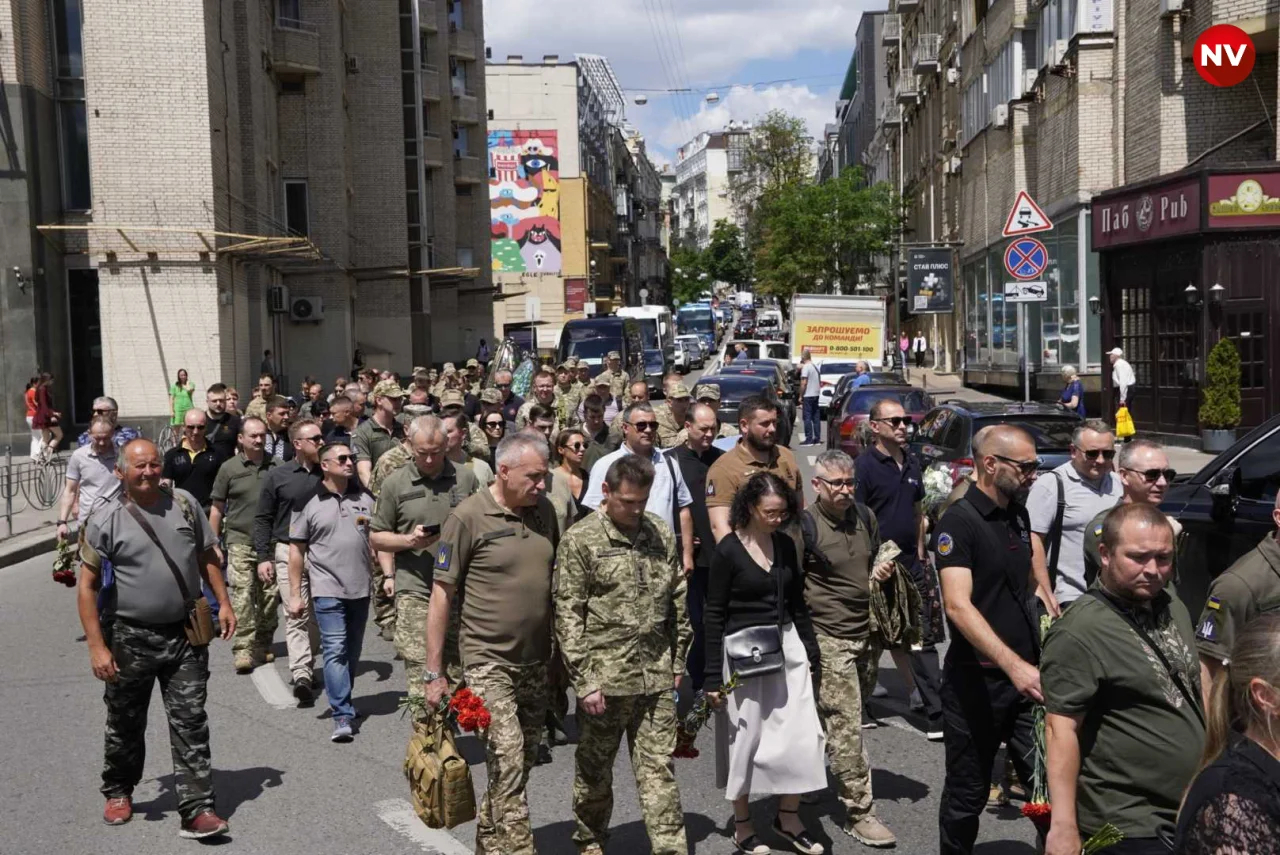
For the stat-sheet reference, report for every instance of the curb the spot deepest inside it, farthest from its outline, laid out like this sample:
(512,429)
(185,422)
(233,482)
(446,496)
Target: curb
(23,547)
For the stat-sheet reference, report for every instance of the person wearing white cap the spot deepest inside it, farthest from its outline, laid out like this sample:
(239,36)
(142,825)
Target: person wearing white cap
(1122,376)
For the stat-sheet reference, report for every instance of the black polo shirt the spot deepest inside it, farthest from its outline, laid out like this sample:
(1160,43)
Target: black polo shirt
(995,544)
(221,434)
(512,407)
(193,472)
(893,493)
(694,468)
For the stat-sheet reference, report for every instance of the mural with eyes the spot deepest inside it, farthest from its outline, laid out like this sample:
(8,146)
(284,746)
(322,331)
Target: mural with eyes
(524,201)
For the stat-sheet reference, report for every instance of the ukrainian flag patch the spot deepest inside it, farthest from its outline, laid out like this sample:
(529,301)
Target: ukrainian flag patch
(444,555)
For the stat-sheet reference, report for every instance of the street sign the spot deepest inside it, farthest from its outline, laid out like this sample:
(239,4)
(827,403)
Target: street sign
(929,281)
(1025,292)
(644,294)
(1026,258)
(1026,217)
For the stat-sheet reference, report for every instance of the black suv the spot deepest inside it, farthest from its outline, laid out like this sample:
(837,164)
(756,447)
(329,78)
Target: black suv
(945,435)
(1225,509)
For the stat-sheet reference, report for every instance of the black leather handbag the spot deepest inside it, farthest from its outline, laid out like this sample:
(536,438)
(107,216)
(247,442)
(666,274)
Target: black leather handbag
(757,650)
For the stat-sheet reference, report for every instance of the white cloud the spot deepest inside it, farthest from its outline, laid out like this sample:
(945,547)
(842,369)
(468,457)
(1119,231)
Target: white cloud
(816,108)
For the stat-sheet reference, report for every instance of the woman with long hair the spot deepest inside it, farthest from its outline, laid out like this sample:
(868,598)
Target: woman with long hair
(180,398)
(29,398)
(1233,805)
(47,419)
(571,447)
(494,425)
(755,602)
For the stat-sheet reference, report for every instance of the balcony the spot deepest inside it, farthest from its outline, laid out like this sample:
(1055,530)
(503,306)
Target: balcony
(428,16)
(462,44)
(891,117)
(908,6)
(466,110)
(924,56)
(468,169)
(432,152)
(907,92)
(431,83)
(295,48)
(891,32)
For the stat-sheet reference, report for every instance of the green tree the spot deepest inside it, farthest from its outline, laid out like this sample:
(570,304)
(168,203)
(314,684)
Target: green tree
(815,236)
(725,256)
(683,271)
(1220,409)
(778,155)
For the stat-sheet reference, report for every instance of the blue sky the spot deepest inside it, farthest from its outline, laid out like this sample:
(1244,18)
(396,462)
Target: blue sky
(699,44)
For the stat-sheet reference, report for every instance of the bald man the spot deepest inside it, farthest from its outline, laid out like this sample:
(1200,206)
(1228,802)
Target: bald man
(990,677)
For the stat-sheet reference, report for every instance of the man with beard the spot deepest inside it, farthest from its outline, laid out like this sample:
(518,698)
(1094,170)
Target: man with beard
(989,679)
(671,413)
(223,427)
(266,390)
(757,452)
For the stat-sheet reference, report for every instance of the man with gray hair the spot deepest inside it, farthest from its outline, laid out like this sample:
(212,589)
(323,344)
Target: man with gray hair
(1061,507)
(1143,469)
(109,409)
(864,374)
(496,552)
(840,538)
(669,497)
(412,507)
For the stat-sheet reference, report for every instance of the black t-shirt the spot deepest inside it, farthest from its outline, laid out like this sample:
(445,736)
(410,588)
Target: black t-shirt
(221,434)
(512,407)
(694,469)
(470,406)
(193,474)
(995,544)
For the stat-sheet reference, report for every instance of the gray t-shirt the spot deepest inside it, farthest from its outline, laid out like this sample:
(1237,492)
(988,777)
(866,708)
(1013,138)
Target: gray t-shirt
(812,378)
(1084,501)
(96,476)
(335,530)
(145,589)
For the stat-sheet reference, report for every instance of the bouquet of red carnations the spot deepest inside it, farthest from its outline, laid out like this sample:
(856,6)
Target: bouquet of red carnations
(64,564)
(464,708)
(696,718)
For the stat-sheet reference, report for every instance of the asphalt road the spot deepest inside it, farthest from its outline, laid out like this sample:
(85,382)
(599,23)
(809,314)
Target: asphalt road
(286,789)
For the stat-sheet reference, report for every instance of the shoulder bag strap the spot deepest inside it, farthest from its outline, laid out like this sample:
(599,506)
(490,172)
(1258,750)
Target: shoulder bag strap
(675,493)
(1142,633)
(142,521)
(1054,542)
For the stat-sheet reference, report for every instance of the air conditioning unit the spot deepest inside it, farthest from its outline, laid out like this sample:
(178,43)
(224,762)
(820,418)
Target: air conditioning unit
(353,64)
(953,76)
(1000,116)
(1058,53)
(953,165)
(1029,80)
(306,309)
(1170,8)
(278,299)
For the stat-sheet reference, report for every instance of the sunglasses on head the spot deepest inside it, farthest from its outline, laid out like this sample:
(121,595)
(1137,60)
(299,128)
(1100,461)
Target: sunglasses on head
(1153,475)
(895,421)
(644,426)
(1099,453)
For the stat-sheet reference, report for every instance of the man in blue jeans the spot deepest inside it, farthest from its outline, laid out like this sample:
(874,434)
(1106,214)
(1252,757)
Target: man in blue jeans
(811,385)
(329,542)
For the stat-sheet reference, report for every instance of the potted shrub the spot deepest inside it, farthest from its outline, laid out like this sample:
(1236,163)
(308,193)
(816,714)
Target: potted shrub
(1220,407)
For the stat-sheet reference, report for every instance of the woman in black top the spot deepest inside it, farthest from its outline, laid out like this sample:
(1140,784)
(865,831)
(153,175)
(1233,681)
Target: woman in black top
(494,425)
(1233,805)
(775,744)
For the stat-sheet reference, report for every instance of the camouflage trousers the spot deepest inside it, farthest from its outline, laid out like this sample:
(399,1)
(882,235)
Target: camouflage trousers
(253,600)
(411,641)
(649,724)
(145,655)
(516,697)
(384,607)
(849,670)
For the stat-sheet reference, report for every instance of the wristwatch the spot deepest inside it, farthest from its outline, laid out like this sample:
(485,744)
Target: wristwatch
(430,676)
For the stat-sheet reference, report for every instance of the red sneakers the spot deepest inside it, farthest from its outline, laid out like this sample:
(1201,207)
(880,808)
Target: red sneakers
(118,811)
(204,824)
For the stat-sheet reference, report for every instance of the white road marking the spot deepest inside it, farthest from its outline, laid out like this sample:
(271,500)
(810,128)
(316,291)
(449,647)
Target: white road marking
(272,687)
(399,814)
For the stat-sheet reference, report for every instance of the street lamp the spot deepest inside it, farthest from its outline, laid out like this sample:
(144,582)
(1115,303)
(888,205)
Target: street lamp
(1217,294)
(1095,305)
(1193,295)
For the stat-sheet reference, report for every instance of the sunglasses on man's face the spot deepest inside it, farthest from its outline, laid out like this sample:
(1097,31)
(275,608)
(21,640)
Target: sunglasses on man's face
(102,412)
(1024,467)
(342,458)
(895,421)
(198,427)
(645,426)
(1099,453)
(1151,476)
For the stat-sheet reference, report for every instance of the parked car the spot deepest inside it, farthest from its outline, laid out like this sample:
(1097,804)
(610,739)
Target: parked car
(945,435)
(734,388)
(829,373)
(845,385)
(765,367)
(681,362)
(1225,509)
(698,354)
(844,426)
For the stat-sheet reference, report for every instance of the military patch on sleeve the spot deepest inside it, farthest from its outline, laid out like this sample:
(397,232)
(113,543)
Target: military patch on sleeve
(444,556)
(945,544)
(711,488)
(1097,531)
(1208,629)
(1214,603)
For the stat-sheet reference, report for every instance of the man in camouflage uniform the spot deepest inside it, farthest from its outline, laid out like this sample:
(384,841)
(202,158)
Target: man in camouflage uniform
(671,413)
(235,501)
(475,376)
(568,396)
(582,376)
(618,570)
(710,395)
(139,639)
(413,505)
(542,393)
(614,376)
(448,371)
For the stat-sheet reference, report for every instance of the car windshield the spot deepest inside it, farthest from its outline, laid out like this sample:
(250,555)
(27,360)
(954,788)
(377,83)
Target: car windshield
(912,401)
(591,348)
(648,333)
(836,368)
(1051,433)
(737,387)
(753,350)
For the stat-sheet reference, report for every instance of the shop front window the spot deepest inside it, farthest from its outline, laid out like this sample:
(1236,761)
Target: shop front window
(1060,313)
(1092,278)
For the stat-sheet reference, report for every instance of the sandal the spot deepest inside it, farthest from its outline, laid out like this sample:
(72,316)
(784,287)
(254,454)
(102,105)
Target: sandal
(802,842)
(750,846)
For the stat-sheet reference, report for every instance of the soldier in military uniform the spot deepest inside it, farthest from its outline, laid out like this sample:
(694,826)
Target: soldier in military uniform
(475,376)
(582,373)
(614,376)
(235,501)
(671,413)
(710,395)
(568,396)
(375,438)
(448,371)
(543,393)
(140,638)
(623,631)
(412,507)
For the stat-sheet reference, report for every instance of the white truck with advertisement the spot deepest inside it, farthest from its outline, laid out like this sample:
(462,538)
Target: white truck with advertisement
(838,327)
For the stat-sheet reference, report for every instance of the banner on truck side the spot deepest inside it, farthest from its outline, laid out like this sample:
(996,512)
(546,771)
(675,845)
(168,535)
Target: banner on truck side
(930,286)
(839,339)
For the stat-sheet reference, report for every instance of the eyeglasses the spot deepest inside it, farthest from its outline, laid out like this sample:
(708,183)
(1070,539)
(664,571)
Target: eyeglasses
(838,483)
(1153,475)
(773,516)
(575,446)
(502,385)
(1099,453)
(645,426)
(896,421)
(316,438)
(342,458)
(493,425)
(193,427)
(1026,467)
(102,412)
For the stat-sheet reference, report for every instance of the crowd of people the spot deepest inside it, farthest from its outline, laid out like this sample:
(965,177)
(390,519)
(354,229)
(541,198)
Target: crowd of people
(589,543)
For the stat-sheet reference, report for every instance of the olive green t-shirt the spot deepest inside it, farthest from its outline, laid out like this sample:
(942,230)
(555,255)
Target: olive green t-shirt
(1248,588)
(838,590)
(238,484)
(409,499)
(1140,738)
(1093,536)
(371,440)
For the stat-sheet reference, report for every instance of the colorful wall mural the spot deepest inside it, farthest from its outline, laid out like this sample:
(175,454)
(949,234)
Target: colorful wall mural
(524,201)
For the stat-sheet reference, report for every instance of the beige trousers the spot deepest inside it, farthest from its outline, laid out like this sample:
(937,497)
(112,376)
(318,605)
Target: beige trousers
(301,635)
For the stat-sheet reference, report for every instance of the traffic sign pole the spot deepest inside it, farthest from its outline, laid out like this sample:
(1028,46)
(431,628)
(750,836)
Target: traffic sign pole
(1026,357)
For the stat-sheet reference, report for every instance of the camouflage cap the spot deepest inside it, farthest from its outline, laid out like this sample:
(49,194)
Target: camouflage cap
(571,362)
(706,391)
(679,391)
(388,389)
(601,380)
(452,398)
(613,354)
(491,396)
(449,369)
(473,363)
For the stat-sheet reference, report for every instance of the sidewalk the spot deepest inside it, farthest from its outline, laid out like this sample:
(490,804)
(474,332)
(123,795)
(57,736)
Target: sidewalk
(29,498)
(948,386)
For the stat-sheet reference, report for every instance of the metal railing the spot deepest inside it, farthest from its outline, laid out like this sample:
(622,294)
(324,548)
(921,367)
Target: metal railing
(891,32)
(296,24)
(37,486)
(925,53)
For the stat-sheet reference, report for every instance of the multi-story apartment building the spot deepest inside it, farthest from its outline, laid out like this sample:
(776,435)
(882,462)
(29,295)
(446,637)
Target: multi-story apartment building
(643,217)
(188,191)
(705,169)
(667,180)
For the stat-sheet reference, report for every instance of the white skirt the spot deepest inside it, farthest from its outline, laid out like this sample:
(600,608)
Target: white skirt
(768,737)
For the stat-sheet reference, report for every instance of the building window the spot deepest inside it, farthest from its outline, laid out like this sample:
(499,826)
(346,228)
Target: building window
(288,13)
(461,148)
(296,217)
(455,15)
(73,125)
(466,257)
(1060,313)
